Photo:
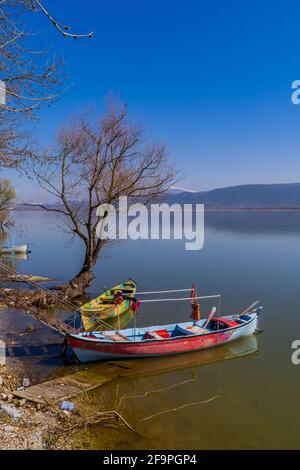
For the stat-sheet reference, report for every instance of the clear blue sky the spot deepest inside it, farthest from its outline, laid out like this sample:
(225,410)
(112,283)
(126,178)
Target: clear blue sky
(211,79)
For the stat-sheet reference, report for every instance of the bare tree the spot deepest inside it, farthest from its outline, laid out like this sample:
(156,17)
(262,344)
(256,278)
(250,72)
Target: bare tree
(96,162)
(29,79)
(32,77)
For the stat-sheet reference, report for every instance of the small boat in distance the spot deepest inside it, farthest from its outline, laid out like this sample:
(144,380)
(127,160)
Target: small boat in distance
(163,340)
(15,249)
(112,303)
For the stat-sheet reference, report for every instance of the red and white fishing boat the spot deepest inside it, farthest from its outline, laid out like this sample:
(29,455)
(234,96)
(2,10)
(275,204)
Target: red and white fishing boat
(164,340)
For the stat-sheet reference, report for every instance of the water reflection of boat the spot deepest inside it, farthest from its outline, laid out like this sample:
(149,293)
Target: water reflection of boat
(165,387)
(11,260)
(119,322)
(244,347)
(158,390)
(16,256)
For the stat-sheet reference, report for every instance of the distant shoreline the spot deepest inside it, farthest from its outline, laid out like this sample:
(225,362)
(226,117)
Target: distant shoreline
(252,209)
(207,209)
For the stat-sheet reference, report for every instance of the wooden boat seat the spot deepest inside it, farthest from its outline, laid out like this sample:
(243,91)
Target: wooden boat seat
(197,329)
(116,337)
(192,329)
(159,334)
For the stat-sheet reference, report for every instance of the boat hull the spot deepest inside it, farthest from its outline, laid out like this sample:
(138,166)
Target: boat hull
(91,321)
(92,350)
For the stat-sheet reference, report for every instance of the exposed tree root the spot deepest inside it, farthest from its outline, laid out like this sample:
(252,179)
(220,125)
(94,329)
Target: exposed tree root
(34,303)
(76,287)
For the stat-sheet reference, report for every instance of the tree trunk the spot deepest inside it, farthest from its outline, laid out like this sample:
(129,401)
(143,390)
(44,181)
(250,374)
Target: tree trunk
(76,287)
(87,266)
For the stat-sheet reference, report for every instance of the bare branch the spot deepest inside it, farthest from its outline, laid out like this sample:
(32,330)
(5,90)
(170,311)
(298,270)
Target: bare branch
(61,28)
(33,79)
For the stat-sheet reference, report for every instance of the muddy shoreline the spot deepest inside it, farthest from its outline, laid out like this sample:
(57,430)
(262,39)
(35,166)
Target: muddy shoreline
(25,425)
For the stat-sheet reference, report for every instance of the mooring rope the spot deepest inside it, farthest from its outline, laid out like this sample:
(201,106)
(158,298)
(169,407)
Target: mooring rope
(182,298)
(163,291)
(38,286)
(48,292)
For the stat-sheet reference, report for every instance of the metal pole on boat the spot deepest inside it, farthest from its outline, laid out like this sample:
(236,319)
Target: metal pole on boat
(134,326)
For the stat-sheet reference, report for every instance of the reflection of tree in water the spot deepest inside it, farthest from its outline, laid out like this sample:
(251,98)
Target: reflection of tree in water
(153,399)
(3,236)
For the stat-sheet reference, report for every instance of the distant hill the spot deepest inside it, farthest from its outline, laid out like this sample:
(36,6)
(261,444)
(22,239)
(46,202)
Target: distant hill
(250,196)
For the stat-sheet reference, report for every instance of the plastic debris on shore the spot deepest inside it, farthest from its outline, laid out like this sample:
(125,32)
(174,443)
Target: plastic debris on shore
(26,382)
(11,411)
(67,406)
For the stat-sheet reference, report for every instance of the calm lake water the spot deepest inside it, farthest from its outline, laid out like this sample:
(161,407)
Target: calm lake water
(244,395)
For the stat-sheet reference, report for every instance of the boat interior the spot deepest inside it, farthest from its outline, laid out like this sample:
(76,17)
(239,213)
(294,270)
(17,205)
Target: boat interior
(170,331)
(128,288)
